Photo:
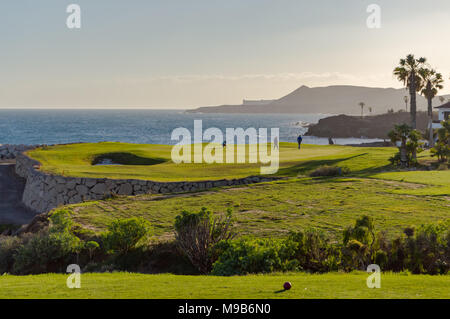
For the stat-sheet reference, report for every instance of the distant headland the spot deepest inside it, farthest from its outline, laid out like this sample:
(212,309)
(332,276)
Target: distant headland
(338,99)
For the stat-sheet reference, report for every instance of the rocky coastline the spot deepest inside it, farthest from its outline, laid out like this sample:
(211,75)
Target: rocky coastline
(376,126)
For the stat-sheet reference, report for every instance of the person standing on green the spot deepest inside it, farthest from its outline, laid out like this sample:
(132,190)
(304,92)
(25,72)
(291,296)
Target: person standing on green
(299,141)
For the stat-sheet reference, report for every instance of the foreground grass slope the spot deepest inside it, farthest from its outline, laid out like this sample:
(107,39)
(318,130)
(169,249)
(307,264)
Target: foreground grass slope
(78,160)
(273,209)
(126,285)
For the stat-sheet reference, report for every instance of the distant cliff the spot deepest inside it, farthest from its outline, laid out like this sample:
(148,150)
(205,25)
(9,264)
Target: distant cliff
(340,99)
(376,126)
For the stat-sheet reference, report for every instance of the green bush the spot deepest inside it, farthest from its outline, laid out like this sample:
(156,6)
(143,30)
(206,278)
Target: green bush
(314,251)
(8,247)
(329,171)
(46,252)
(198,233)
(309,251)
(442,147)
(91,247)
(124,234)
(381,259)
(49,250)
(358,243)
(60,221)
(410,145)
(363,231)
(243,256)
(427,251)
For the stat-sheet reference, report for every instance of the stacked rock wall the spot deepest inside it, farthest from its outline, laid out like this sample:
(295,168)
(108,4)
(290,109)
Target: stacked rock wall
(43,192)
(9,151)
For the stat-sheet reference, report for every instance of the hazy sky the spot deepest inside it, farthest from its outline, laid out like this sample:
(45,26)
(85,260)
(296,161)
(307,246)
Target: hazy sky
(189,53)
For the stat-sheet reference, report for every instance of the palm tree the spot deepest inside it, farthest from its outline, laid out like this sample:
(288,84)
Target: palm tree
(400,134)
(362,104)
(405,98)
(432,84)
(408,73)
(370,110)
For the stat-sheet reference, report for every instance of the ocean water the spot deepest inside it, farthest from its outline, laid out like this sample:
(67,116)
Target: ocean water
(46,126)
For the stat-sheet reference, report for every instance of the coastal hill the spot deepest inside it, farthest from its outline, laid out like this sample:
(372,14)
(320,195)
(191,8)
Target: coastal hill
(332,99)
(377,126)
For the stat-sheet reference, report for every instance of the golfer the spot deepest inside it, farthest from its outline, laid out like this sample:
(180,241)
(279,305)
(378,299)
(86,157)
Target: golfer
(299,141)
(330,141)
(275,143)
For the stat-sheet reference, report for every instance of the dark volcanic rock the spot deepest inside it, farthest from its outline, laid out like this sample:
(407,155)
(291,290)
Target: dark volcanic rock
(378,126)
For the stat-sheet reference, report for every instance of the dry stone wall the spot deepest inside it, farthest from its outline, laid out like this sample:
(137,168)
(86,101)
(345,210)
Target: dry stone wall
(9,151)
(43,192)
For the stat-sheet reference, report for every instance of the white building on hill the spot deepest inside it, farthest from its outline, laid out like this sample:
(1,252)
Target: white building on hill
(444,115)
(257,102)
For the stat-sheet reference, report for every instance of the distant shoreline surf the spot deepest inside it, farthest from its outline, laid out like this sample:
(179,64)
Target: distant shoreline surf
(145,126)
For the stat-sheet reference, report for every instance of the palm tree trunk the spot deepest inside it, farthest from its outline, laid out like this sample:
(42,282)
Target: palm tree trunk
(413,108)
(430,122)
(403,154)
(412,92)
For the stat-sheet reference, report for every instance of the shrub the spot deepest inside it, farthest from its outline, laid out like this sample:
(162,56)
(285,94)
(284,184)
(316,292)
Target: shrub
(442,147)
(49,250)
(60,221)
(197,234)
(397,255)
(91,247)
(410,145)
(359,243)
(329,171)
(8,246)
(427,250)
(363,231)
(381,258)
(158,257)
(355,255)
(164,257)
(409,231)
(46,252)
(314,251)
(254,256)
(124,234)
(309,251)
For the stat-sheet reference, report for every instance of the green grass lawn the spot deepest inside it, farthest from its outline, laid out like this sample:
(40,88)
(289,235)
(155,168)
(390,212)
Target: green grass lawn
(152,162)
(395,199)
(77,160)
(304,286)
(273,209)
(437,182)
